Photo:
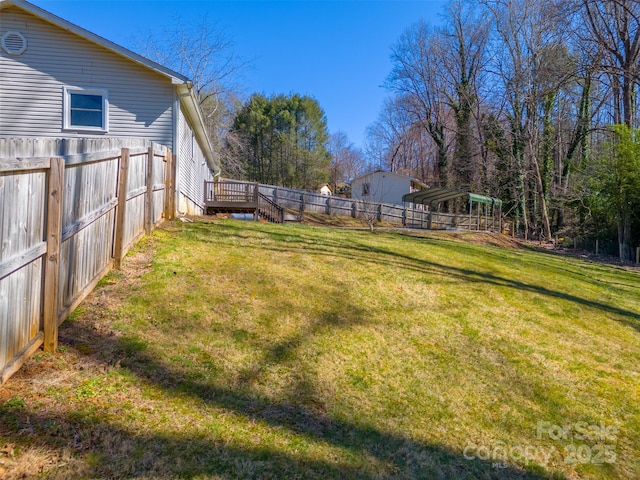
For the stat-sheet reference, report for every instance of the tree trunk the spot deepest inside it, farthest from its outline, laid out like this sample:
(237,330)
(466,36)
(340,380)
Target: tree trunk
(625,236)
(546,225)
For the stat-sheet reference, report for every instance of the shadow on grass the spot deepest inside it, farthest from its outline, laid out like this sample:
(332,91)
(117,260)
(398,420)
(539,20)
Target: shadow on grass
(358,250)
(107,450)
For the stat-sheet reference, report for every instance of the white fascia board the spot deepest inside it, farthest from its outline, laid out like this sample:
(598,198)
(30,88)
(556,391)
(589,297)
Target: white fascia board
(189,102)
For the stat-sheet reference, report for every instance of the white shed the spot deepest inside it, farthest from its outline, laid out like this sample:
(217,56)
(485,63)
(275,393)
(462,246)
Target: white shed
(325,190)
(58,80)
(384,187)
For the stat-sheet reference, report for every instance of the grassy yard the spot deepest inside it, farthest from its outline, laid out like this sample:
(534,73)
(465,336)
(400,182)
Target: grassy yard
(243,350)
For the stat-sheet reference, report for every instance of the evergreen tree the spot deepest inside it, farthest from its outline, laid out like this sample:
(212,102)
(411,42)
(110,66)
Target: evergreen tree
(284,140)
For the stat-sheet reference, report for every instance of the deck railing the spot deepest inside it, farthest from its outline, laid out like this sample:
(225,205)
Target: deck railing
(226,191)
(269,209)
(230,194)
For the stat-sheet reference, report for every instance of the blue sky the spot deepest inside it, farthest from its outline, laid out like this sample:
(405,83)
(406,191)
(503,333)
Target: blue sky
(336,51)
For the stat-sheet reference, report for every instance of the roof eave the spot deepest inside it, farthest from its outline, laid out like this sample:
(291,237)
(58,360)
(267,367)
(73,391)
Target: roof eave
(182,84)
(175,77)
(189,101)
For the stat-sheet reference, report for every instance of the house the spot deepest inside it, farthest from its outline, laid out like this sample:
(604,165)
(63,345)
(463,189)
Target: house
(58,80)
(384,187)
(325,190)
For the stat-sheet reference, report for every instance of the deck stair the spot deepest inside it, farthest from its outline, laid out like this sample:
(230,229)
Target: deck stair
(227,196)
(270,210)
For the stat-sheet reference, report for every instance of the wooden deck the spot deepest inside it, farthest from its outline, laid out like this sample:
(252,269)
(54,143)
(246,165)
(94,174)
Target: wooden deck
(240,197)
(230,197)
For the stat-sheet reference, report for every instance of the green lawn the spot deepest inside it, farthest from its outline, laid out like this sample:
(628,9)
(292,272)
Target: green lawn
(247,350)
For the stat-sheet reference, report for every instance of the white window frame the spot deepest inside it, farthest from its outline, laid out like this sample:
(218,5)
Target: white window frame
(68,91)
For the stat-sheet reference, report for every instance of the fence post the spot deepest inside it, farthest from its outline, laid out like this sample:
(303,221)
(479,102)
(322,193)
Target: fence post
(404,217)
(123,182)
(379,212)
(167,169)
(148,198)
(174,192)
(354,209)
(52,263)
(637,255)
(329,205)
(169,186)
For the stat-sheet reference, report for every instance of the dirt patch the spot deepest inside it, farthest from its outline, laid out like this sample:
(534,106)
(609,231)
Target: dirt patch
(487,239)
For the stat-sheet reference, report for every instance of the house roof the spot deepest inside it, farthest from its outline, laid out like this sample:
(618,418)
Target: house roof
(183,85)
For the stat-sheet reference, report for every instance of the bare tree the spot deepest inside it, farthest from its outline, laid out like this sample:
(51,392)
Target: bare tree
(403,144)
(417,76)
(531,66)
(202,51)
(614,32)
(462,50)
(347,161)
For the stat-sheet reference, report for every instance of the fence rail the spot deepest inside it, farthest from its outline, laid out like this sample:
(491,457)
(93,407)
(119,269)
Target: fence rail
(408,216)
(64,223)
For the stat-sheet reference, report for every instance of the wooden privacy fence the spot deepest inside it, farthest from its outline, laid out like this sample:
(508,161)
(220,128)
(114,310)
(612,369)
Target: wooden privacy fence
(408,216)
(64,222)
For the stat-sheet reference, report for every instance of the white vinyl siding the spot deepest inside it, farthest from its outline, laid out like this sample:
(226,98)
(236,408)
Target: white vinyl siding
(383,187)
(193,171)
(31,85)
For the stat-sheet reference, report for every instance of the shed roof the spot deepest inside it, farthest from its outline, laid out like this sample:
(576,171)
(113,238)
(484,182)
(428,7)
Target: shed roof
(434,195)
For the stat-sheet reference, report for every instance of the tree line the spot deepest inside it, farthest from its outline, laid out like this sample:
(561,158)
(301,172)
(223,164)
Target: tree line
(533,101)
(282,140)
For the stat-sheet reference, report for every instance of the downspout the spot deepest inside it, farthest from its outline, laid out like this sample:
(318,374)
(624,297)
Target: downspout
(177,148)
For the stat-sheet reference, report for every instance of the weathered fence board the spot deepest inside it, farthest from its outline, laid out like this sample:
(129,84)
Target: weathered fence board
(55,193)
(22,218)
(59,220)
(408,216)
(158,187)
(13,148)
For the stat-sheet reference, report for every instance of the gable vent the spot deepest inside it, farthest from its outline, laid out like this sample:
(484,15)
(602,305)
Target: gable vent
(14,43)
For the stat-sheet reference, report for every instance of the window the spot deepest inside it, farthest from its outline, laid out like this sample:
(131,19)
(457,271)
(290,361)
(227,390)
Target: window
(366,189)
(86,109)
